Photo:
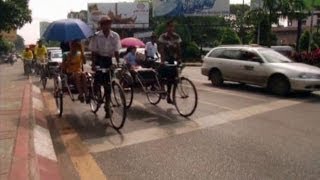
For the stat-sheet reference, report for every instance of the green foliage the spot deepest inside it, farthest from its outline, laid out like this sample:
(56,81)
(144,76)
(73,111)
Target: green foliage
(5,46)
(191,51)
(52,44)
(14,14)
(19,43)
(230,37)
(305,38)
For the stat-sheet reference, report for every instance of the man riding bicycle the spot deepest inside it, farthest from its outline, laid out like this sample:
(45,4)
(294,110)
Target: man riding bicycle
(104,45)
(27,57)
(169,48)
(40,54)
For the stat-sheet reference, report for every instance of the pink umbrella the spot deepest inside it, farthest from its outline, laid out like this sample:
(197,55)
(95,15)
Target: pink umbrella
(131,41)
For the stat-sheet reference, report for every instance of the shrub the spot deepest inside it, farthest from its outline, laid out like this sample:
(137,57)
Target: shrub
(230,37)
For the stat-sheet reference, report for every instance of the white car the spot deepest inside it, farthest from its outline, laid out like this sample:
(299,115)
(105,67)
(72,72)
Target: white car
(259,66)
(55,55)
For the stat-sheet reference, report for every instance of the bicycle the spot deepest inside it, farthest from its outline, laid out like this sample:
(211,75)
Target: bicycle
(117,104)
(44,73)
(153,86)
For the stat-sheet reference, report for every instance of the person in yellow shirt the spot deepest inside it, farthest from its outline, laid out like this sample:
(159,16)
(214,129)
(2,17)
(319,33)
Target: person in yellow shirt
(41,52)
(27,56)
(72,65)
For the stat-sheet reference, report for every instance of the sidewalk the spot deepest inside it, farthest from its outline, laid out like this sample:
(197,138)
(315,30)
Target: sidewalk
(21,117)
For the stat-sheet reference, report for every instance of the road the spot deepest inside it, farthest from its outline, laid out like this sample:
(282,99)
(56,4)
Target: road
(237,132)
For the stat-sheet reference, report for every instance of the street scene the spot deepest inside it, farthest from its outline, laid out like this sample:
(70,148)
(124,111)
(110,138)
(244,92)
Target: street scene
(206,89)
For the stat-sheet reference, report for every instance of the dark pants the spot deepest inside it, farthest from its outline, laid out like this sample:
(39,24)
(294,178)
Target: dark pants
(168,76)
(103,79)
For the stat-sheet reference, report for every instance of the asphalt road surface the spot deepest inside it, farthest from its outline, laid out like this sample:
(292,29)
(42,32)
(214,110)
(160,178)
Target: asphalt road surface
(237,132)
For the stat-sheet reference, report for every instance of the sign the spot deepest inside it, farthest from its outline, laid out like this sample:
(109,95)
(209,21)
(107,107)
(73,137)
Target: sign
(143,34)
(191,7)
(124,15)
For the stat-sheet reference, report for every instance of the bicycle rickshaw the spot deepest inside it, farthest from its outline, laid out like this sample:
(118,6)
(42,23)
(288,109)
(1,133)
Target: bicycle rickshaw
(185,96)
(69,30)
(63,85)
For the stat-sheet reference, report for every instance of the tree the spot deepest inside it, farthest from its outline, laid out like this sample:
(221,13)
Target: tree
(14,14)
(304,42)
(5,46)
(238,23)
(295,9)
(230,37)
(19,43)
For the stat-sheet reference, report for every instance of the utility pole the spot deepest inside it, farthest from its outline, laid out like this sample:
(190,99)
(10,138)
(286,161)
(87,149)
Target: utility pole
(311,26)
(259,26)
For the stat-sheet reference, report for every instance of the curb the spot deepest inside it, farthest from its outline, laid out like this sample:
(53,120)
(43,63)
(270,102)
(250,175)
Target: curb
(33,155)
(45,158)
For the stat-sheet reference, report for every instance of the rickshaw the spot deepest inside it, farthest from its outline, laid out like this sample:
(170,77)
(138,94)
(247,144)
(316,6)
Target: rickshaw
(185,96)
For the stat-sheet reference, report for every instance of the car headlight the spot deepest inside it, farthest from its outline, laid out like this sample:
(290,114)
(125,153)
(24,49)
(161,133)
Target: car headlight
(309,76)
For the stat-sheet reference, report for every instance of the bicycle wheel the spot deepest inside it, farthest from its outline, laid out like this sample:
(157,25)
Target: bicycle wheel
(153,94)
(118,107)
(58,95)
(185,97)
(96,98)
(128,92)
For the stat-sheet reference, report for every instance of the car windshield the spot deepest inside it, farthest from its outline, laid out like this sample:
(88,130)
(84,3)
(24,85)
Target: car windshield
(272,56)
(56,54)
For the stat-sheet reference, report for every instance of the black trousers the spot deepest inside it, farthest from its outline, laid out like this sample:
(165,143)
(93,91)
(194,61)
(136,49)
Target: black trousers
(103,79)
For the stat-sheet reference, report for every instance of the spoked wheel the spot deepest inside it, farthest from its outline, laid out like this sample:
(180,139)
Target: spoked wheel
(96,98)
(153,94)
(58,95)
(185,97)
(128,92)
(118,106)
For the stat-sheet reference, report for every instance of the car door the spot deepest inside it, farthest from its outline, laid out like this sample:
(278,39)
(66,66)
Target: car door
(252,68)
(231,64)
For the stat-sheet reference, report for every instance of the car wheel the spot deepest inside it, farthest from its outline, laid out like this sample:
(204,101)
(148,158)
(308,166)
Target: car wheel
(216,78)
(279,85)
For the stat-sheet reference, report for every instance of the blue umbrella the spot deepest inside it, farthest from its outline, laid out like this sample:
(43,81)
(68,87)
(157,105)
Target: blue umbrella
(67,30)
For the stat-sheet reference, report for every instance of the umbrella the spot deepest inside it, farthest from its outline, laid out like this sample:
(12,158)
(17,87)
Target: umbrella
(126,42)
(67,30)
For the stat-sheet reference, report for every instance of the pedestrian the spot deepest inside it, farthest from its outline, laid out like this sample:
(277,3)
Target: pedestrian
(104,45)
(169,48)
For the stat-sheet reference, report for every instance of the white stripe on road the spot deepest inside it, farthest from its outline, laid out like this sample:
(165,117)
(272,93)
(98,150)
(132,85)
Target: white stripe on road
(214,104)
(145,135)
(42,143)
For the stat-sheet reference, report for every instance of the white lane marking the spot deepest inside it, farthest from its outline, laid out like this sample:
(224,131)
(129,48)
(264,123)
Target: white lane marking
(155,133)
(37,104)
(216,105)
(36,89)
(42,143)
(230,93)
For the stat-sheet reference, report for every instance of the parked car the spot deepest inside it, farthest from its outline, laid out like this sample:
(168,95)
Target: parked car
(285,50)
(259,66)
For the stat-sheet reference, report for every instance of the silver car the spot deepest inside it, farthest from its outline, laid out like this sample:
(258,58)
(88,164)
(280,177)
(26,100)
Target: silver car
(259,66)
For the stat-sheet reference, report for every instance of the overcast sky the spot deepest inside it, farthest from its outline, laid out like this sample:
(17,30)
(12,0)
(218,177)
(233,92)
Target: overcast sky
(58,9)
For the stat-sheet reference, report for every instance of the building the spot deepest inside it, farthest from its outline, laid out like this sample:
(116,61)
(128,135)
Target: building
(9,36)
(287,34)
(43,26)
(82,15)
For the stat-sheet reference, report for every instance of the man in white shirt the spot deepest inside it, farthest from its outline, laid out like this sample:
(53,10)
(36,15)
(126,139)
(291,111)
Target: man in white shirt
(104,45)
(151,48)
